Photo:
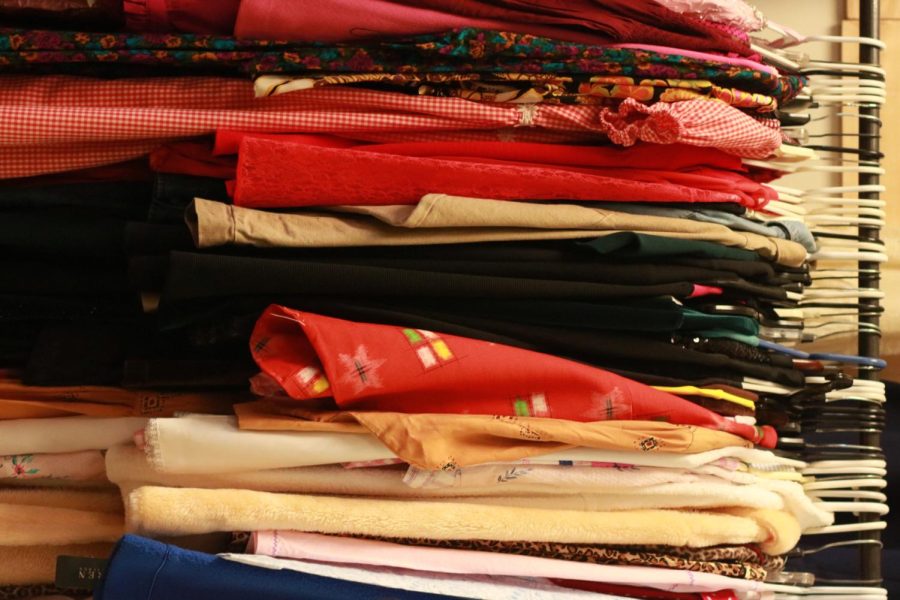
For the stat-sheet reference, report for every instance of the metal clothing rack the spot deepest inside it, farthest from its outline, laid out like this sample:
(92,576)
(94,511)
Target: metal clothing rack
(869,342)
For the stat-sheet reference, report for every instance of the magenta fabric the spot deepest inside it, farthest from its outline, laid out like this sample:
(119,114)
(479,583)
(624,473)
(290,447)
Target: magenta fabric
(187,16)
(585,21)
(273,174)
(344,20)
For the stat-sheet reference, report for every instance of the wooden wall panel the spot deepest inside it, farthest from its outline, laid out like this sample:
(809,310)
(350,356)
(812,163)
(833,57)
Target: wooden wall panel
(890,9)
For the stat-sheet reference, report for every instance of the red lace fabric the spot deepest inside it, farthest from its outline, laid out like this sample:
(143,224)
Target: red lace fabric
(276,174)
(693,122)
(675,157)
(364,366)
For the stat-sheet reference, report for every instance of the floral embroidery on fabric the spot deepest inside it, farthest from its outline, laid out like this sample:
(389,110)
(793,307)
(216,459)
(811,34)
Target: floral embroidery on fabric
(361,371)
(522,88)
(18,466)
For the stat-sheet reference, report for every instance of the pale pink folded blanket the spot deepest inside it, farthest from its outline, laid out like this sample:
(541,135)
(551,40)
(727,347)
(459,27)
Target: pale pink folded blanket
(334,549)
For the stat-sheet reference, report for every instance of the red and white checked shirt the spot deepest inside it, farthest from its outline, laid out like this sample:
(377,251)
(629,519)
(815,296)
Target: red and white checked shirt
(60,123)
(693,122)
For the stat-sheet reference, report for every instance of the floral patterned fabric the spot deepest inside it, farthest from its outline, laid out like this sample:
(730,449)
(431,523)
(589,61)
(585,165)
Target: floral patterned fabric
(460,51)
(526,88)
(76,466)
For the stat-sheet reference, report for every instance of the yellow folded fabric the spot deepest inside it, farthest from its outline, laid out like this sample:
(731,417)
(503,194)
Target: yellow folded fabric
(169,511)
(690,390)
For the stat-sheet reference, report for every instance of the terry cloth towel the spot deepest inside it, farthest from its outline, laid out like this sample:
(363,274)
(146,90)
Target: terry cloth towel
(66,434)
(38,517)
(170,511)
(365,366)
(442,219)
(334,549)
(483,587)
(36,564)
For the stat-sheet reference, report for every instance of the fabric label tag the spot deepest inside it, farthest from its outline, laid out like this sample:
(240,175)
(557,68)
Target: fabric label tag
(78,572)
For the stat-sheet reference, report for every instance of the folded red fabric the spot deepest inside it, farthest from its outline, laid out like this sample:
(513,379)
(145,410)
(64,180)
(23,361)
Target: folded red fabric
(670,157)
(365,366)
(229,142)
(278,174)
(192,158)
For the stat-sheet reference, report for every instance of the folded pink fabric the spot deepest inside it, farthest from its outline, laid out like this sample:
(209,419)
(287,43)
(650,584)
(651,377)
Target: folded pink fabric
(345,20)
(190,16)
(693,122)
(735,13)
(344,550)
(277,174)
(585,21)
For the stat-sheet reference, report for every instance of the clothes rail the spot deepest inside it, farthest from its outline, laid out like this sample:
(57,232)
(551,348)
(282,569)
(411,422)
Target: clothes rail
(869,341)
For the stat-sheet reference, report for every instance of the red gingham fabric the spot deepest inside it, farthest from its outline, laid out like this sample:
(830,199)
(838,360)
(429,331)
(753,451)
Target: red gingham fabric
(59,123)
(693,122)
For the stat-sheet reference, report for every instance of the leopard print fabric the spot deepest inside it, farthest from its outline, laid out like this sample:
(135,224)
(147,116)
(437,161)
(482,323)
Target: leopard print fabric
(603,555)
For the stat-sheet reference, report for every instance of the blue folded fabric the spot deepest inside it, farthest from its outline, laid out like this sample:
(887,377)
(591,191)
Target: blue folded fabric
(144,569)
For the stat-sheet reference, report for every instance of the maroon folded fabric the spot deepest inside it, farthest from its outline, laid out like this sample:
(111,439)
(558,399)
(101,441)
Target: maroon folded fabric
(87,15)
(278,174)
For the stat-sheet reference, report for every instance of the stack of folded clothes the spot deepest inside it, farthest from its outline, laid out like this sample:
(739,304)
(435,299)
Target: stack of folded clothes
(399,299)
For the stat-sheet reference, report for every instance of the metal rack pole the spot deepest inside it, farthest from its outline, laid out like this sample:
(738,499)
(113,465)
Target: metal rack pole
(869,343)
